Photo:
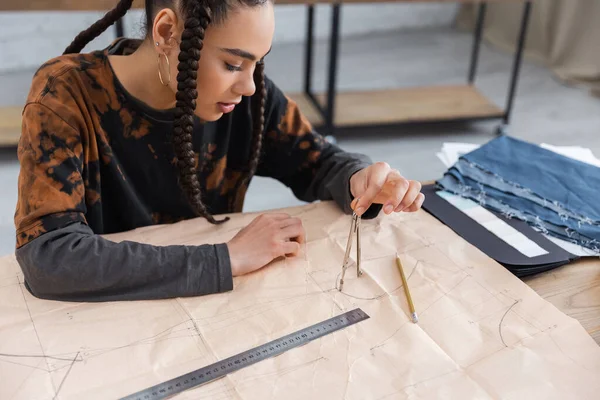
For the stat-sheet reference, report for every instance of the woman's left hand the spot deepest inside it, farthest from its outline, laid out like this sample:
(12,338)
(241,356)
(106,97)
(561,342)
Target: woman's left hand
(380,184)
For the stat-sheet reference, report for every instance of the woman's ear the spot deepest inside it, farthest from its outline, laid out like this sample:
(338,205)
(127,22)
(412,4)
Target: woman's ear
(167,27)
(165,30)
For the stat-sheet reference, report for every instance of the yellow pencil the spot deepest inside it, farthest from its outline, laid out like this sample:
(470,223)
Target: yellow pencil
(415,319)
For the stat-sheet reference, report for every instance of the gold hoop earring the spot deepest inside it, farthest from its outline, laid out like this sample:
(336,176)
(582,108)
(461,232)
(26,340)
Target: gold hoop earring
(160,73)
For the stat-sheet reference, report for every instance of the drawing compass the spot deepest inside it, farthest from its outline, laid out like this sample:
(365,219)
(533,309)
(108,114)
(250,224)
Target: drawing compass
(354,232)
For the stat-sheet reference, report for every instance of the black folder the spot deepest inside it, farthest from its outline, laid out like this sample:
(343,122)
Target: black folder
(497,249)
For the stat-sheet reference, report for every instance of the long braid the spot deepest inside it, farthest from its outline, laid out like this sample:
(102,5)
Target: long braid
(191,44)
(258,116)
(98,27)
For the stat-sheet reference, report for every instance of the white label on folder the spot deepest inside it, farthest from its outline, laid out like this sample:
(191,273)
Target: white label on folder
(492,223)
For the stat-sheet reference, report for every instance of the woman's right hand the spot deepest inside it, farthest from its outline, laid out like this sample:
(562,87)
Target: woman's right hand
(267,237)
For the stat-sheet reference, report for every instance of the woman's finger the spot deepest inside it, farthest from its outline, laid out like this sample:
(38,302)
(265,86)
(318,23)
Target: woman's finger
(294,232)
(396,188)
(375,181)
(409,197)
(290,248)
(416,205)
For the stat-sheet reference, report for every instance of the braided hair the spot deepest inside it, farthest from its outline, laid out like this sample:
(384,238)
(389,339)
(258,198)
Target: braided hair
(98,27)
(198,14)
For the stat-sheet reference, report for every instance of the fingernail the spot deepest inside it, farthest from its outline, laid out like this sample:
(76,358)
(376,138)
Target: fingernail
(360,210)
(388,208)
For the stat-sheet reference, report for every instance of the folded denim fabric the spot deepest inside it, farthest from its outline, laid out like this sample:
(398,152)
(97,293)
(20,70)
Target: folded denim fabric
(529,204)
(487,199)
(549,191)
(571,184)
(478,174)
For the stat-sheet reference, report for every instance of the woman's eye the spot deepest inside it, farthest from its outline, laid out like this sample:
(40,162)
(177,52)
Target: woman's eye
(232,68)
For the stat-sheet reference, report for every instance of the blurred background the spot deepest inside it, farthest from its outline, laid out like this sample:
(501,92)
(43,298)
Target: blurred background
(407,61)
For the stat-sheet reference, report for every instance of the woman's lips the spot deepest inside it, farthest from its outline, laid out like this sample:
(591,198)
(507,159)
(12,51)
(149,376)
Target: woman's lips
(226,107)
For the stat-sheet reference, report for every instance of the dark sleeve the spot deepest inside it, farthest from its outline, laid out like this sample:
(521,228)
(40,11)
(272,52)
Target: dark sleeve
(74,264)
(299,157)
(62,258)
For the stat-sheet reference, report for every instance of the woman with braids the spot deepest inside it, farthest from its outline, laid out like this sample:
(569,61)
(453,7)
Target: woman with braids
(168,128)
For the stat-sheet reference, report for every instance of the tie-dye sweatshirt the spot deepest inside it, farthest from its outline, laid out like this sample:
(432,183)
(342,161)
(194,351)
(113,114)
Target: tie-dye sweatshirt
(96,160)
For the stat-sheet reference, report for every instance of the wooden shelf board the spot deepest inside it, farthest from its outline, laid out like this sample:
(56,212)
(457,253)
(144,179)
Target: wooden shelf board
(10,125)
(355,108)
(419,104)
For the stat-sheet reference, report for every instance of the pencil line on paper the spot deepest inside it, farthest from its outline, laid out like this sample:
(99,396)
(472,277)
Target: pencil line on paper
(281,372)
(502,320)
(379,296)
(24,365)
(36,332)
(9,284)
(391,336)
(23,382)
(259,312)
(163,335)
(413,271)
(403,389)
(407,278)
(66,375)
(234,314)
(336,288)
(34,356)
(445,294)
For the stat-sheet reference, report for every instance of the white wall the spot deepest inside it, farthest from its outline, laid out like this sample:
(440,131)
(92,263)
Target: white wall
(28,39)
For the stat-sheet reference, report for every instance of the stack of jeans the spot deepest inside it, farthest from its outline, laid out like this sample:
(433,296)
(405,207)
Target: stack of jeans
(555,194)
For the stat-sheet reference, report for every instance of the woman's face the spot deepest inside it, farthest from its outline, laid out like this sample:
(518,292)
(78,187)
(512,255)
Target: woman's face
(228,58)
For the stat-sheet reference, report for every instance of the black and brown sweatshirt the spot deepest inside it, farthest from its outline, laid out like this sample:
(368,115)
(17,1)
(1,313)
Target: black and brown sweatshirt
(95,160)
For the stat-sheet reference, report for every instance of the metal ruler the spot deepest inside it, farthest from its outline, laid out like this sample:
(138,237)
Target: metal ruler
(249,357)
